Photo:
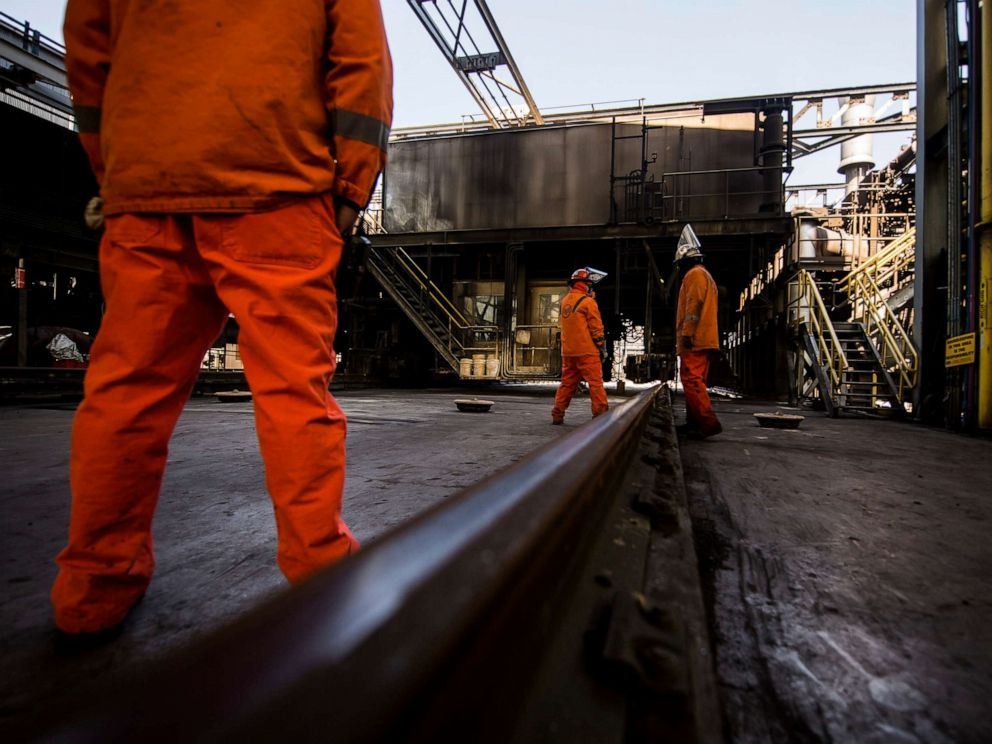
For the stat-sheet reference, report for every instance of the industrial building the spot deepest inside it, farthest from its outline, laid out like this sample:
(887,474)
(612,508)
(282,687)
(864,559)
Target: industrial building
(828,583)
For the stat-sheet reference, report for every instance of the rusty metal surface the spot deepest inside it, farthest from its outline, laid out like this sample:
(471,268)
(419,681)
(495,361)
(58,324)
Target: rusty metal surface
(429,632)
(557,176)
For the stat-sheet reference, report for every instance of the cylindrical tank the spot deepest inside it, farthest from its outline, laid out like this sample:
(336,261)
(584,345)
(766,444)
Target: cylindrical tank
(856,156)
(821,242)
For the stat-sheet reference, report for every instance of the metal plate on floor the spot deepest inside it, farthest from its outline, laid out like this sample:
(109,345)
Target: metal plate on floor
(474,405)
(234,396)
(779,420)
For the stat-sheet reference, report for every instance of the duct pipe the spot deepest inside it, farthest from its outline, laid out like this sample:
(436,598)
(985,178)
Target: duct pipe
(772,158)
(985,225)
(856,157)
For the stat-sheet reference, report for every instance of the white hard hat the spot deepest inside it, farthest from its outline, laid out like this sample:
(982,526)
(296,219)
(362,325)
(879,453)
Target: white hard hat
(688,245)
(587,274)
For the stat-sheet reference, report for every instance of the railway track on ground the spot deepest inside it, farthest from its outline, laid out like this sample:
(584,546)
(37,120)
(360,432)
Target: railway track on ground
(558,600)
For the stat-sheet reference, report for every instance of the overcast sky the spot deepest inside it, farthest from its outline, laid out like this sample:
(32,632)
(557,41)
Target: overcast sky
(587,51)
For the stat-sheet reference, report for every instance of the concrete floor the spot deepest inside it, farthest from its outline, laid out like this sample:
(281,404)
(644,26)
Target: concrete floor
(848,567)
(214,529)
(846,564)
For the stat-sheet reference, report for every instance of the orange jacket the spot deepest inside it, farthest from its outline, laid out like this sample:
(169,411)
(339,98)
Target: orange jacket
(229,106)
(696,317)
(581,324)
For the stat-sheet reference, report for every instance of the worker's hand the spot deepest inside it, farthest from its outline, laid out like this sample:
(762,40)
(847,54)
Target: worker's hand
(602,353)
(687,342)
(93,214)
(344,216)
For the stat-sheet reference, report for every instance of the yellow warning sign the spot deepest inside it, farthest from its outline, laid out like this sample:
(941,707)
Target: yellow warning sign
(960,350)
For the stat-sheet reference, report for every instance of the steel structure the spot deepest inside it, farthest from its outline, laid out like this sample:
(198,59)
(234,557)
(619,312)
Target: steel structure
(826,132)
(471,42)
(32,71)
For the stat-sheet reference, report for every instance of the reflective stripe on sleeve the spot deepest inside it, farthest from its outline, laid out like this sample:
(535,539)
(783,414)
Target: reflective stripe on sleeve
(691,317)
(87,119)
(359,127)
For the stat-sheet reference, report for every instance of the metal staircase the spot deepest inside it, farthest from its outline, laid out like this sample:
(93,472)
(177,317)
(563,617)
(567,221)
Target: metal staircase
(878,295)
(428,308)
(865,382)
(839,362)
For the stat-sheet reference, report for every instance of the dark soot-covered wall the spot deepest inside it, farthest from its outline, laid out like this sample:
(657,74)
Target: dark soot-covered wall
(553,176)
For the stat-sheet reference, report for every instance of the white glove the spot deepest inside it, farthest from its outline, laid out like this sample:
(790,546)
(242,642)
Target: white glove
(93,214)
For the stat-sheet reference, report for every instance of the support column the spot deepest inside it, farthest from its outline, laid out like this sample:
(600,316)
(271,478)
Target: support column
(984,65)
(22,315)
(930,297)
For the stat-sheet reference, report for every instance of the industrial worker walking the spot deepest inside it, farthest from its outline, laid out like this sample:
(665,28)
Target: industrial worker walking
(233,143)
(583,345)
(696,334)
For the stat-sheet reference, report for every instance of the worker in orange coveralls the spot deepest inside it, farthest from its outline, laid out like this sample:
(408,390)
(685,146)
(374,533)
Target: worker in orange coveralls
(583,345)
(234,144)
(696,334)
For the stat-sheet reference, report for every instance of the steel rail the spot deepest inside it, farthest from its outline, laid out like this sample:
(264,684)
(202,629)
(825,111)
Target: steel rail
(428,634)
(687,108)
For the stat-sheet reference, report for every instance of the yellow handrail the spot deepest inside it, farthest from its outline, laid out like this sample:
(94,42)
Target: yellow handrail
(456,321)
(435,293)
(896,349)
(896,255)
(870,307)
(808,306)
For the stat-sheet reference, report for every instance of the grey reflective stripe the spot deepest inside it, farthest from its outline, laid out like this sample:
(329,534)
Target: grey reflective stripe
(87,119)
(692,317)
(359,127)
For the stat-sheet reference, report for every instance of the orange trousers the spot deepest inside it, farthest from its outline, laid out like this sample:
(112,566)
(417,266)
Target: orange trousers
(168,284)
(699,414)
(573,369)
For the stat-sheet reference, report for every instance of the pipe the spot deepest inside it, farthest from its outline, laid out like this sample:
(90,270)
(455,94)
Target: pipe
(985,232)
(22,315)
(772,157)
(953,236)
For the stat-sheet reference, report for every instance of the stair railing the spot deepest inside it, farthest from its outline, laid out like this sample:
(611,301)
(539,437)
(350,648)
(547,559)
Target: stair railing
(895,347)
(866,288)
(460,332)
(428,287)
(806,307)
(886,267)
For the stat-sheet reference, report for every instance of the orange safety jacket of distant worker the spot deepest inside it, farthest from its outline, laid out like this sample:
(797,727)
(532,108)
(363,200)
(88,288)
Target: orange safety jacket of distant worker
(581,323)
(229,127)
(696,316)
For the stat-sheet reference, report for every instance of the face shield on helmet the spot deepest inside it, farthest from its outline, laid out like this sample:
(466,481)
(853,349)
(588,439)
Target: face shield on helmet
(589,275)
(688,245)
